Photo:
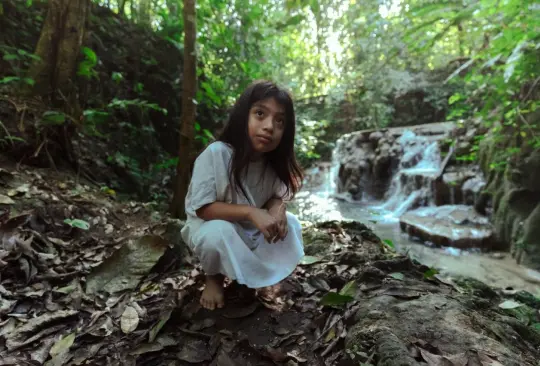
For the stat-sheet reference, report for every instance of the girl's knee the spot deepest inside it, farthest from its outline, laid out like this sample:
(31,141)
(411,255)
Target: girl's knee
(214,232)
(293,222)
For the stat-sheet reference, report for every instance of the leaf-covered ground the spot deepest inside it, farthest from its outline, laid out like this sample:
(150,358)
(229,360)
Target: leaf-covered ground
(89,280)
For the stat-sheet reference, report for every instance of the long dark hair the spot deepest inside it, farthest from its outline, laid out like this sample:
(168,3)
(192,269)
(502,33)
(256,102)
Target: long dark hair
(282,159)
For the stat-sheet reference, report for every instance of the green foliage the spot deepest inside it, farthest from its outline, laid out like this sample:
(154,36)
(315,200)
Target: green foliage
(19,60)
(86,66)
(502,41)
(389,243)
(80,224)
(203,135)
(53,118)
(337,300)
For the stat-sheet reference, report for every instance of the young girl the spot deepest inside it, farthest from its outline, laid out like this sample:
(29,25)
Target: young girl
(237,223)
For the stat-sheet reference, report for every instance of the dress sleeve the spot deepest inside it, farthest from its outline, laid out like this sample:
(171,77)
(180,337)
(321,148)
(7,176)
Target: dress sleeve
(210,179)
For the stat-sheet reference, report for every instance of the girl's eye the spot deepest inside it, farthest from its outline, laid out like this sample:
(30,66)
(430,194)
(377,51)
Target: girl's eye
(280,122)
(259,113)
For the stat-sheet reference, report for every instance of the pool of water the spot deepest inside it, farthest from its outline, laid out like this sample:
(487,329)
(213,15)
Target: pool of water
(318,203)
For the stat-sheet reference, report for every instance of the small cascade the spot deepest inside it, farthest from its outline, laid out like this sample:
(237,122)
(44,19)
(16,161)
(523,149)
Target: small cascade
(411,185)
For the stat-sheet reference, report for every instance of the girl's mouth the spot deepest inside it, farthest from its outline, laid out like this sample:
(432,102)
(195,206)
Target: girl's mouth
(264,139)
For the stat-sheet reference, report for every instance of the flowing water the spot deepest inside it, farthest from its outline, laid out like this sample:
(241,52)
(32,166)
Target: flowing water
(410,187)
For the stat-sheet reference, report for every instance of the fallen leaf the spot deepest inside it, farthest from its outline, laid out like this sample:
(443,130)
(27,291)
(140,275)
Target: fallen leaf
(223,359)
(109,229)
(194,352)
(30,331)
(331,335)
(486,360)
(336,300)
(402,292)
(240,312)
(318,283)
(155,330)
(129,320)
(434,360)
(42,353)
(22,189)
(60,359)
(125,268)
(281,331)
(80,224)
(341,268)
(146,348)
(295,354)
(448,281)
(7,326)
(307,288)
(5,200)
(509,304)
(397,275)
(275,354)
(349,289)
(309,259)
(206,323)
(82,354)
(62,345)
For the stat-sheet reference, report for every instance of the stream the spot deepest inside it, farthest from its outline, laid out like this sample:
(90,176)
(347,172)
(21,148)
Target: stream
(318,201)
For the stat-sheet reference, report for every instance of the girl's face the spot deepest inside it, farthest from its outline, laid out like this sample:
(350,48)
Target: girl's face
(266,124)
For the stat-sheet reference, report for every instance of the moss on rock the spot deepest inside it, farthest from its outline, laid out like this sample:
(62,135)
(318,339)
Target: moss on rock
(515,194)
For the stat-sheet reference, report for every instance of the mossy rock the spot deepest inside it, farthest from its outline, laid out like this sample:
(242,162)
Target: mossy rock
(530,242)
(315,241)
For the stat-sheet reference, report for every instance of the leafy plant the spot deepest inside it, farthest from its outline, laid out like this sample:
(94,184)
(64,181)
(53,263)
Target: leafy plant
(87,65)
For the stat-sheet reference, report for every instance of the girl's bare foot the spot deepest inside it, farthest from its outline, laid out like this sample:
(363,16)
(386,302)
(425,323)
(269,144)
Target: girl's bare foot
(212,295)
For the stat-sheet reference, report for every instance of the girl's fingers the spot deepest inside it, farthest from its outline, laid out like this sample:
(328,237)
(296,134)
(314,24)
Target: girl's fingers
(267,235)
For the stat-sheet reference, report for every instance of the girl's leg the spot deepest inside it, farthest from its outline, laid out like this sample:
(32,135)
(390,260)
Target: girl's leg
(211,244)
(212,295)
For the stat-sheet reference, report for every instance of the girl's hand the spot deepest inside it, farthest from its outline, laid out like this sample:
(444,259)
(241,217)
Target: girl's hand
(265,222)
(279,212)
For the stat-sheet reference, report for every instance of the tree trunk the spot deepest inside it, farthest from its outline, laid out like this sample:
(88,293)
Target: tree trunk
(121,7)
(144,12)
(58,48)
(172,5)
(188,111)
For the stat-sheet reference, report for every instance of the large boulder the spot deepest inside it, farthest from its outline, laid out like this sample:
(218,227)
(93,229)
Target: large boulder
(451,225)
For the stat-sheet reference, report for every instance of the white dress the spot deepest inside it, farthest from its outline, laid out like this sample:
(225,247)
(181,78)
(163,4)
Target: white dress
(238,250)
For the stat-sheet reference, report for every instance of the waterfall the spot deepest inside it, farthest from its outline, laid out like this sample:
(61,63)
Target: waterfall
(411,184)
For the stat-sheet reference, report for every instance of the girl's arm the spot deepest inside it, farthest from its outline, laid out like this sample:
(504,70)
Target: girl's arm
(272,203)
(225,211)
(262,220)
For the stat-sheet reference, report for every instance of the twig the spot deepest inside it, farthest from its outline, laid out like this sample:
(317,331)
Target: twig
(528,125)
(323,333)
(56,276)
(533,86)
(197,334)
(40,147)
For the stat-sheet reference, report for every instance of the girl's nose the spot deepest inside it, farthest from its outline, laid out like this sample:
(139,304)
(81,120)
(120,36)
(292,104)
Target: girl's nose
(268,124)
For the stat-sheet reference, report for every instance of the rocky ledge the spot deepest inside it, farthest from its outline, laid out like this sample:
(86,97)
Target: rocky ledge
(369,159)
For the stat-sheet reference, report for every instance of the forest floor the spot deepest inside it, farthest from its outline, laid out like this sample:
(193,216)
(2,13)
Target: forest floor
(88,279)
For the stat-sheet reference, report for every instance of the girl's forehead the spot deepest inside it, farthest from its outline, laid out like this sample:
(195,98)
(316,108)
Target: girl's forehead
(271,104)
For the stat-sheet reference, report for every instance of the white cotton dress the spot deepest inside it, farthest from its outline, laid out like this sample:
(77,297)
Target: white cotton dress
(238,250)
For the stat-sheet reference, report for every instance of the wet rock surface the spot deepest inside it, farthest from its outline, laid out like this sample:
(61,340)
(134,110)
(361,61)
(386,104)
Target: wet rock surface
(459,185)
(369,159)
(458,226)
